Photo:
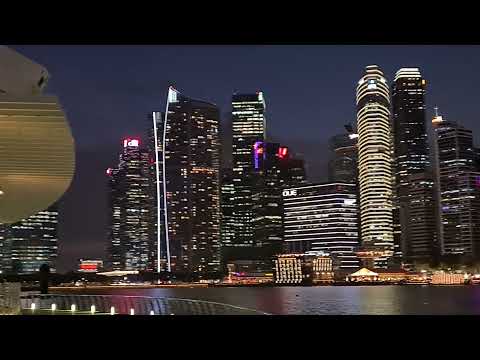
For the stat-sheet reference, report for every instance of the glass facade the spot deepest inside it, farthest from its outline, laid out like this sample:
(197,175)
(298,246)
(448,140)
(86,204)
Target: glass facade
(227,223)
(323,217)
(30,243)
(419,221)
(188,182)
(414,234)
(248,128)
(131,228)
(458,190)
(274,170)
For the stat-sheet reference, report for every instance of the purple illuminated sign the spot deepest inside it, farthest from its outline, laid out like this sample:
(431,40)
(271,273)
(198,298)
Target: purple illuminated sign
(258,150)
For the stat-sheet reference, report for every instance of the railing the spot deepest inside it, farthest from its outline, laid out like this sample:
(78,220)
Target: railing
(9,298)
(125,305)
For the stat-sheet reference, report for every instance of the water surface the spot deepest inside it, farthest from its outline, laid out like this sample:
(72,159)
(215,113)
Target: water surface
(330,300)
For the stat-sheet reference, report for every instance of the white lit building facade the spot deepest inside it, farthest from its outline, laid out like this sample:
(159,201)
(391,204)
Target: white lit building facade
(375,164)
(314,267)
(322,217)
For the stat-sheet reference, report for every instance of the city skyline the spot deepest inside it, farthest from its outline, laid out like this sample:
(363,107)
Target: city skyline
(306,135)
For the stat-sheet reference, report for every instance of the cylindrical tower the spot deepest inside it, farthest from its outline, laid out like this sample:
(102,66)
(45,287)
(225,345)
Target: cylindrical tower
(375,165)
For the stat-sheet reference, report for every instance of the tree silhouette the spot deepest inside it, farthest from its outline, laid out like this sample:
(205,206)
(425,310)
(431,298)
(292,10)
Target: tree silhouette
(44,277)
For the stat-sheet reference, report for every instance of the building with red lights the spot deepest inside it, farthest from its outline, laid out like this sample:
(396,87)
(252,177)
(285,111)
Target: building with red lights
(274,171)
(131,226)
(249,272)
(90,266)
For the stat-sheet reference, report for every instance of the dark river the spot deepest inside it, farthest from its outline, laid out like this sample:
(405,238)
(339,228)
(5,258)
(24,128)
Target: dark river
(331,300)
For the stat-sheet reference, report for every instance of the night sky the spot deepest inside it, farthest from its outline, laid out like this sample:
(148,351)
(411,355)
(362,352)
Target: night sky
(108,91)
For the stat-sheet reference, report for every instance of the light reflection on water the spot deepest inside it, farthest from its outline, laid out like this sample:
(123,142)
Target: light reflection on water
(331,300)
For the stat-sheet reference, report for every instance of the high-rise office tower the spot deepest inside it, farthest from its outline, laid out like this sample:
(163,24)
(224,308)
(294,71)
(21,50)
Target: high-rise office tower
(187,160)
(274,170)
(409,123)
(375,166)
(419,211)
(323,217)
(30,243)
(37,156)
(458,190)
(295,173)
(248,128)
(344,157)
(227,198)
(131,230)
(411,158)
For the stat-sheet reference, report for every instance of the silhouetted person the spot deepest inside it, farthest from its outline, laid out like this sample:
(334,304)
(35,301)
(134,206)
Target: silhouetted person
(44,275)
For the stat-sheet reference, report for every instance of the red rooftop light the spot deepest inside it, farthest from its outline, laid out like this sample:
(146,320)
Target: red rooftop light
(282,152)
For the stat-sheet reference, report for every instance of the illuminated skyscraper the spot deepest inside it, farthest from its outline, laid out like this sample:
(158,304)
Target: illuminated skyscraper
(274,170)
(410,132)
(248,128)
(375,165)
(131,229)
(187,167)
(30,243)
(419,211)
(458,191)
(227,223)
(411,158)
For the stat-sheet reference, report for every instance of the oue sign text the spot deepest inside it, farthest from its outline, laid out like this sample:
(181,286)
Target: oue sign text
(290,192)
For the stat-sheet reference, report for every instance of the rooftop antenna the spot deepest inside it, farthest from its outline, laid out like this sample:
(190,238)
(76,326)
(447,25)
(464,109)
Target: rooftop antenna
(436,111)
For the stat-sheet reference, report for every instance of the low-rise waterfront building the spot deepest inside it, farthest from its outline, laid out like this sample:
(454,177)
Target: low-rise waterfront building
(90,266)
(400,276)
(249,272)
(443,278)
(303,269)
